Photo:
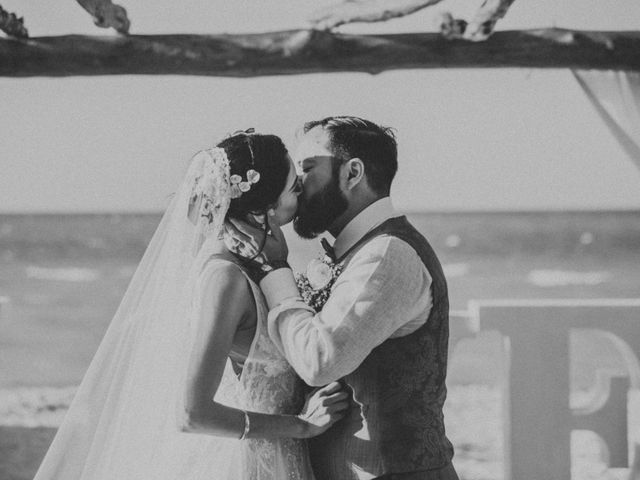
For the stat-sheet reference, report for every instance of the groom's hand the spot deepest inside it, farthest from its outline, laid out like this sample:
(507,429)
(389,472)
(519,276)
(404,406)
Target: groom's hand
(324,407)
(275,248)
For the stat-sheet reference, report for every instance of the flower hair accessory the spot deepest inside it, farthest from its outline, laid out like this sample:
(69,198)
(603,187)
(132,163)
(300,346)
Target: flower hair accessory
(212,189)
(238,186)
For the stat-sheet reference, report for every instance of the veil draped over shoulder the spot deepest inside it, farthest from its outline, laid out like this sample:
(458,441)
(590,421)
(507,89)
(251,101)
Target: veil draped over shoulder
(122,422)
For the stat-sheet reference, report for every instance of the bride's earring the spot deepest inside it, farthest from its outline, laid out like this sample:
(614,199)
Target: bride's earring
(271,212)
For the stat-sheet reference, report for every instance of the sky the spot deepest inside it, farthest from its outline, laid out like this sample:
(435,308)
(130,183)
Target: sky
(472,139)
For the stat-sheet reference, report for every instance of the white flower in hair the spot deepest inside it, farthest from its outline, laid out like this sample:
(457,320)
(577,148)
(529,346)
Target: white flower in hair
(253,176)
(238,186)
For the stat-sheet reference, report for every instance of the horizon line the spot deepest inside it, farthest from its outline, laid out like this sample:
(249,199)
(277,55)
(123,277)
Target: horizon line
(630,209)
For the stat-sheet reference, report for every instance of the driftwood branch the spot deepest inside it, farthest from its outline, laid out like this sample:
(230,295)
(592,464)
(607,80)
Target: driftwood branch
(106,14)
(484,21)
(351,11)
(12,25)
(310,51)
(479,28)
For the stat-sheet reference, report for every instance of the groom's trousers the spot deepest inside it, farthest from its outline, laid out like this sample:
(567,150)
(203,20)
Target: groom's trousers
(446,473)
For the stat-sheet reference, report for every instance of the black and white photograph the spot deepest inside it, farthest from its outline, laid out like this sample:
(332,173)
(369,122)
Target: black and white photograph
(320,240)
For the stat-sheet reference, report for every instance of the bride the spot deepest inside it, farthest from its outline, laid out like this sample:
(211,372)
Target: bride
(186,383)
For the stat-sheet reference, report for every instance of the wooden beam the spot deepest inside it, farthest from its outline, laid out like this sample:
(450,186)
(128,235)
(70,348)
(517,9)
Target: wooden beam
(310,51)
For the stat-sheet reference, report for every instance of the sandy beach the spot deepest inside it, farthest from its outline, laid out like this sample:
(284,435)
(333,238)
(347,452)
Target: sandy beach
(30,416)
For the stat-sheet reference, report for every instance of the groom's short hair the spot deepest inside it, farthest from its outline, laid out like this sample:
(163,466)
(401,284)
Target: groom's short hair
(375,145)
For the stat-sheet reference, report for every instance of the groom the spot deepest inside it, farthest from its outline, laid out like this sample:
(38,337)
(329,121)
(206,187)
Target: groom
(384,329)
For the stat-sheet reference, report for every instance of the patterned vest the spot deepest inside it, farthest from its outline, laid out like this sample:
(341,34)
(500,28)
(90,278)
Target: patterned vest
(396,424)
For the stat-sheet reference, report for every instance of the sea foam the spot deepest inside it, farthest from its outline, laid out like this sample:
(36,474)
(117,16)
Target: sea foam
(34,407)
(562,278)
(62,274)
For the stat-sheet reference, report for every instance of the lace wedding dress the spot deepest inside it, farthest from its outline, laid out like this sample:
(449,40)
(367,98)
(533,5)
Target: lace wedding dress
(266,384)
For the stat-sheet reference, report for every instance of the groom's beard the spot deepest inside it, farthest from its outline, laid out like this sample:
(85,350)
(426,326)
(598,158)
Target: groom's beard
(316,214)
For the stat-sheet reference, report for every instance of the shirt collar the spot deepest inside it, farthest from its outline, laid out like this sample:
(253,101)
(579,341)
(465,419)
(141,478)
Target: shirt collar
(375,214)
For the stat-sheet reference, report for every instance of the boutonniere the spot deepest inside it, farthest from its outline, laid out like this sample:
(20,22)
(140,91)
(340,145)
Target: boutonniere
(315,284)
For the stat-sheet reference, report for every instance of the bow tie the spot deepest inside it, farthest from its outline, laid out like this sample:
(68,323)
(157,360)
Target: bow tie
(328,249)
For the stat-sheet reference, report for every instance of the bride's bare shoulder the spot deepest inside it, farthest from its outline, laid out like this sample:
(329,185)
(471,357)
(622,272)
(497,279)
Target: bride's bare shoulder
(224,272)
(224,293)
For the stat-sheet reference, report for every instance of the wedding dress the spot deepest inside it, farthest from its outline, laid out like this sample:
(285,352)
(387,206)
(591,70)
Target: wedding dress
(122,423)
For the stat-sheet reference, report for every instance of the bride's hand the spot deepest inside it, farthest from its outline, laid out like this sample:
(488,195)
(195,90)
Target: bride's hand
(324,407)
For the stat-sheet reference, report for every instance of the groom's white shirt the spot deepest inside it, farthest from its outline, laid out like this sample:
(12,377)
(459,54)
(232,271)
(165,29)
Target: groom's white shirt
(385,292)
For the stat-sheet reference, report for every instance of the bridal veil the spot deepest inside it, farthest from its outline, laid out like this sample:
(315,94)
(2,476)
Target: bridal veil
(122,424)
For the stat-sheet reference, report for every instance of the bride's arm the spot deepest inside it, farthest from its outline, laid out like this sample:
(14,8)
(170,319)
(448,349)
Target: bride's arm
(226,300)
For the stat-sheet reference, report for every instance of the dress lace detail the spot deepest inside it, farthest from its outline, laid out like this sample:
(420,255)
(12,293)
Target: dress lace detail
(267,384)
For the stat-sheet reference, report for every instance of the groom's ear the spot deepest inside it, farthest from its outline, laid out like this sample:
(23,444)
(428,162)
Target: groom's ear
(355,172)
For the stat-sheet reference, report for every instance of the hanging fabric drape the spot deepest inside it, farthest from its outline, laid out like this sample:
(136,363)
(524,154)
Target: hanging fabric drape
(616,97)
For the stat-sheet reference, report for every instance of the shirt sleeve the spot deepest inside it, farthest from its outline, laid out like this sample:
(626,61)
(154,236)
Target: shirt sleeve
(384,287)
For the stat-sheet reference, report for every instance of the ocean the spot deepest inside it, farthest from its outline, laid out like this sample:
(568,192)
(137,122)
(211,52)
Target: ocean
(63,275)
(62,278)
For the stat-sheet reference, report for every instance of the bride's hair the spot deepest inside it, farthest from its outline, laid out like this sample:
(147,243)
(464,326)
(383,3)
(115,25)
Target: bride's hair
(267,155)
